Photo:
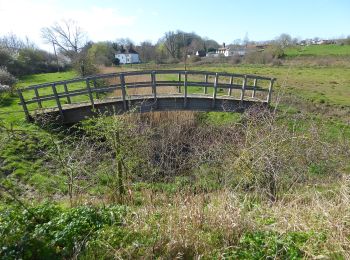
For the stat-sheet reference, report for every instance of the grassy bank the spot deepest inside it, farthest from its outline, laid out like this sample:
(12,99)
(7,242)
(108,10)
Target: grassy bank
(257,185)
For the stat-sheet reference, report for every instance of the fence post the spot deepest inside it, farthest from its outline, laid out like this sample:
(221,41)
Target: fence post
(230,88)
(243,88)
(254,88)
(215,89)
(179,80)
(185,90)
(122,85)
(90,93)
(154,87)
(67,93)
(206,82)
(37,97)
(270,91)
(58,102)
(24,105)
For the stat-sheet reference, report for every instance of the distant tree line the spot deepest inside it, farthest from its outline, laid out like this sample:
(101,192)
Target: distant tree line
(72,49)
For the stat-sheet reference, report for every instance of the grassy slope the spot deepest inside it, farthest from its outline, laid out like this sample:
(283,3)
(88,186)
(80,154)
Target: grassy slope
(181,223)
(330,85)
(11,111)
(318,50)
(319,84)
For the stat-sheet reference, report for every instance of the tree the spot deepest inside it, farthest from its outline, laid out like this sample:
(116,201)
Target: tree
(284,40)
(171,43)
(67,35)
(123,44)
(147,51)
(14,44)
(102,53)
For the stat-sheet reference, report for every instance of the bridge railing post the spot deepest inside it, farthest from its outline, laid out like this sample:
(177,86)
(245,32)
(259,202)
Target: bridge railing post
(67,93)
(58,102)
(206,82)
(268,100)
(185,89)
(243,88)
(24,105)
(90,93)
(179,80)
(38,97)
(254,88)
(122,85)
(154,86)
(215,89)
(96,88)
(230,88)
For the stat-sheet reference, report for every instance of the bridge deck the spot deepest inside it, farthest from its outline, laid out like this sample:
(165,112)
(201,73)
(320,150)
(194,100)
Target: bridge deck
(105,94)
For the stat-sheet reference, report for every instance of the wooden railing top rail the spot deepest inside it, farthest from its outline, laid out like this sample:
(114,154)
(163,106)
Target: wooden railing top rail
(136,73)
(90,87)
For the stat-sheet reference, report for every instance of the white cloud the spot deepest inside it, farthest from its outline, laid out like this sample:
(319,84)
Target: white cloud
(26,18)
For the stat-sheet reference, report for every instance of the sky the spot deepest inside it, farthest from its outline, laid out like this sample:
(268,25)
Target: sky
(139,20)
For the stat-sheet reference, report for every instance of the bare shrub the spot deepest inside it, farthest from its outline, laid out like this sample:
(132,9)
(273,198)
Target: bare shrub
(6,78)
(236,59)
(275,158)
(258,58)
(74,160)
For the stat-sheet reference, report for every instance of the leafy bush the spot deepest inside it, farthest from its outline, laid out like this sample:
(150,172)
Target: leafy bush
(6,78)
(50,232)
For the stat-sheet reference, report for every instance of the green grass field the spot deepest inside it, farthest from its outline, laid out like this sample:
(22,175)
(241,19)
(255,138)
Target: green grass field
(318,50)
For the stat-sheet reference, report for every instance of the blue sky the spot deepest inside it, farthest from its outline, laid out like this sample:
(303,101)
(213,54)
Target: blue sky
(139,20)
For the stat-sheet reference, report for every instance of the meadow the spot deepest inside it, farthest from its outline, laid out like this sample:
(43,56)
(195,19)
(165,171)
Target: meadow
(318,50)
(259,185)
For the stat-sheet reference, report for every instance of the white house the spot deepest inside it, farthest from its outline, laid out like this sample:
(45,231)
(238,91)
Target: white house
(128,58)
(228,52)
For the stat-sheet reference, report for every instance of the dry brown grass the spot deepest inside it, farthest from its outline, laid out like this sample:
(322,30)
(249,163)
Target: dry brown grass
(134,79)
(190,226)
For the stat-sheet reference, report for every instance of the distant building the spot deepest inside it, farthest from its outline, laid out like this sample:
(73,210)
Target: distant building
(128,58)
(230,51)
(201,53)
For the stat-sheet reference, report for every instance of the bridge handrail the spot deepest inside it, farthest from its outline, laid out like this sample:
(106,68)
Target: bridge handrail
(182,82)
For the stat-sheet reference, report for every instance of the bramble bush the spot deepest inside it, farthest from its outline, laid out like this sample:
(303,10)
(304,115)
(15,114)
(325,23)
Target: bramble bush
(49,232)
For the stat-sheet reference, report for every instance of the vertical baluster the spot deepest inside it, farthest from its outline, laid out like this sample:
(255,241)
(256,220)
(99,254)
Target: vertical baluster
(67,93)
(230,87)
(122,85)
(215,89)
(96,88)
(24,105)
(185,90)
(243,88)
(179,81)
(37,97)
(254,88)
(270,91)
(90,93)
(58,102)
(154,87)
(206,82)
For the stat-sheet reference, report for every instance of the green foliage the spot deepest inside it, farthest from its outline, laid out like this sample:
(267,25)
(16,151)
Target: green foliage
(102,53)
(21,154)
(218,118)
(269,245)
(318,50)
(50,232)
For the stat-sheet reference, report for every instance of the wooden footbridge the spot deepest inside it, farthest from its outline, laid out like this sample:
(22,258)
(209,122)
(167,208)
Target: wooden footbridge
(143,91)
